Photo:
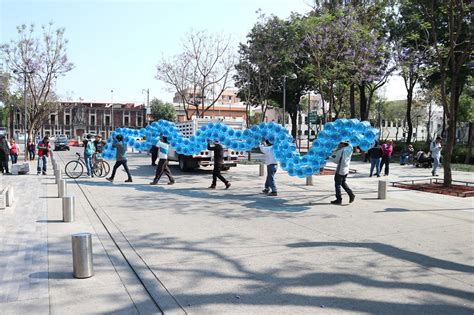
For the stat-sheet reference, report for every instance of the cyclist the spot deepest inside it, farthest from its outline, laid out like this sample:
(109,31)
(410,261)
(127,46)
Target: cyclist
(99,148)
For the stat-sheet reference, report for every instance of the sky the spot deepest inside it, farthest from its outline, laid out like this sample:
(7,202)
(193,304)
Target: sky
(115,45)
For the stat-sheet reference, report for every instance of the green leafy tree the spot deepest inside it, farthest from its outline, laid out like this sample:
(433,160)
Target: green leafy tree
(280,41)
(466,113)
(161,110)
(450,38)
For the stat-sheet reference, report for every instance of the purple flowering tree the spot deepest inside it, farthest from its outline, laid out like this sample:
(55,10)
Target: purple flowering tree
(41,61)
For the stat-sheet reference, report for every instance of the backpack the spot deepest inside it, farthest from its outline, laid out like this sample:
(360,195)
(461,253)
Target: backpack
(89,148)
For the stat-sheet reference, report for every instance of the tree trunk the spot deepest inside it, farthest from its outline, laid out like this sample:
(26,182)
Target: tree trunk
(408,116)
(469,144)
(352,101)
(364,115)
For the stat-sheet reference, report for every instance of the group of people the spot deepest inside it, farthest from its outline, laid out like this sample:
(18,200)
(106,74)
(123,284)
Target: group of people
(380,156)
(9,151)
(92,151)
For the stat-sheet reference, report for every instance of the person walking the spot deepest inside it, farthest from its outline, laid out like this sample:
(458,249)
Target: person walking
(4,155)
(44,149)
(14,151)
(272,165)
(88,152)
(435,148)
(375,154)
(387,149)
(31,150)
(406,154)
(343,160)
(162,167)
(121,158)
(218,164)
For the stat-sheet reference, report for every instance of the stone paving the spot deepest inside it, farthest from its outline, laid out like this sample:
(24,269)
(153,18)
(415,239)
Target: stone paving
(192,250)
(24,247)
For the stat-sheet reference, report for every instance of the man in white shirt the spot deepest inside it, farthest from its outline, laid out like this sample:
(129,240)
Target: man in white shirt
(343,160)
(435,148)
(272,166)
(162,167)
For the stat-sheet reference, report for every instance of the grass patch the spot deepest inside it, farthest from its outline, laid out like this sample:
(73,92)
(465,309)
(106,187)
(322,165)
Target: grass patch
(462,167)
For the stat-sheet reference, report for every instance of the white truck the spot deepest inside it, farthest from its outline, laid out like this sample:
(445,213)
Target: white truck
(205,157)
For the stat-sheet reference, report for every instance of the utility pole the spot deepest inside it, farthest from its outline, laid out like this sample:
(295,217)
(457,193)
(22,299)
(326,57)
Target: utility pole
(148,109)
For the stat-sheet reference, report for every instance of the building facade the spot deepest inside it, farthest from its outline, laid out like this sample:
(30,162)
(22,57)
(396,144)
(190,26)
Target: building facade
(76,119)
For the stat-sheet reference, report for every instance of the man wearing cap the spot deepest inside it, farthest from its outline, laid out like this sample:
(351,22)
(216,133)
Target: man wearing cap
(343,160)
(218,164)
(162,167)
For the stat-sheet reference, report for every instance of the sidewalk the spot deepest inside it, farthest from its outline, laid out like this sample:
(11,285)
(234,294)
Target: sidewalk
(36,266)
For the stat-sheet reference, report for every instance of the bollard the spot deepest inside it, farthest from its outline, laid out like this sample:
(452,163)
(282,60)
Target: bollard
(261,169)
(82,263)
(9,196)
(68,208)
(382,193)
(61,188)
(309,180)
(57,175)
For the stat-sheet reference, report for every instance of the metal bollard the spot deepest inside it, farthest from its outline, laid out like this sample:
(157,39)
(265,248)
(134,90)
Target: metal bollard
(261,169)
(9,196)
(57,175)
(309,180)
(61,188)
(68,208)
(382,193)
(82,262)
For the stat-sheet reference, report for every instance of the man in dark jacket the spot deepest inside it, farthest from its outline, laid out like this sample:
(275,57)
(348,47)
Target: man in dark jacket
(4,155)
(218,164)
(121,159)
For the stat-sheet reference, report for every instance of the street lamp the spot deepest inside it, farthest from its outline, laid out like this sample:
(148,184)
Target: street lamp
(291,76)
(25,123)
(112,112)
(148,110)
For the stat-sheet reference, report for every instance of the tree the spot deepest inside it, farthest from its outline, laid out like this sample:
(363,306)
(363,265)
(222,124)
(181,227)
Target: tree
(39,61)
(466,114)
(161,110)
(201,72)
(450,38)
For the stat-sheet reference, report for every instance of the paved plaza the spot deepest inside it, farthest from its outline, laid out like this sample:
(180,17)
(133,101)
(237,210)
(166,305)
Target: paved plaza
(187,249)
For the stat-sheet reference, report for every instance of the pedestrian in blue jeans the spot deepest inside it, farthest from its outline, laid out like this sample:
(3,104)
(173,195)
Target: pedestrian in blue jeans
(435,148)
(375,154)
(272,165)
(88,152)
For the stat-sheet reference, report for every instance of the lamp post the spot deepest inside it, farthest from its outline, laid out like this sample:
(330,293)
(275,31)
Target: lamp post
(148,110)
(291,76)
(112,112)
(25,122)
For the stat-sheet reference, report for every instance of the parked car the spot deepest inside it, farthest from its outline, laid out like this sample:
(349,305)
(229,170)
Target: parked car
(61,143)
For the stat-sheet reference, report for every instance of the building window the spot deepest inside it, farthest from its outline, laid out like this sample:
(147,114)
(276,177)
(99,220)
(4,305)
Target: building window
(107,120)
(68,119)
(92,120)
(126,120)
(52,119)
(139,121)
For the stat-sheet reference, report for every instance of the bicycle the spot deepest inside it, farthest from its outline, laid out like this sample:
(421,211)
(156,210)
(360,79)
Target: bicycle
(75,169)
